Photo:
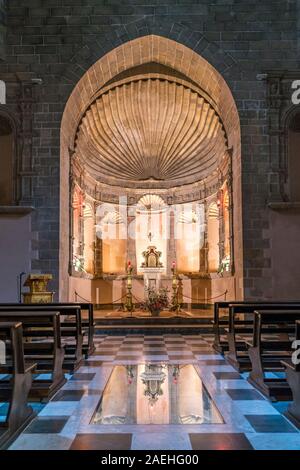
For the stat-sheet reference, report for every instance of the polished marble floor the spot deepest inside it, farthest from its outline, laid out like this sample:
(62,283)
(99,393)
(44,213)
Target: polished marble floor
(249,421)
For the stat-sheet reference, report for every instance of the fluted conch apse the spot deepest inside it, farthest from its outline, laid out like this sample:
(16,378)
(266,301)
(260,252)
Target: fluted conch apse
(150,129)
(147,134)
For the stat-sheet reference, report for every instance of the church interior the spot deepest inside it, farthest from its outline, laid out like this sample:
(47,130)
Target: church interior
(149,225)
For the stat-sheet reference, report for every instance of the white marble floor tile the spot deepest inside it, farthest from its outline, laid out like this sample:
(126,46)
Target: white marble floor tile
(161,441)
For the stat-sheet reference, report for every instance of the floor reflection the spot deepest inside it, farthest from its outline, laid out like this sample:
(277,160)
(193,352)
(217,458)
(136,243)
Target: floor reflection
(156,394)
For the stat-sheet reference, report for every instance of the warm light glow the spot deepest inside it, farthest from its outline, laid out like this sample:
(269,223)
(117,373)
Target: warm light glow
(151,230)
(213,236)
(175,115)
(189,237)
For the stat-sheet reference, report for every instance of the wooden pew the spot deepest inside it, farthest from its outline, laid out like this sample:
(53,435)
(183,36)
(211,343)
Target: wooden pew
(42,344)
(293,377)
(266,354)
(220,323)
(73,350)
(88,347)
(16,391)
(238,352)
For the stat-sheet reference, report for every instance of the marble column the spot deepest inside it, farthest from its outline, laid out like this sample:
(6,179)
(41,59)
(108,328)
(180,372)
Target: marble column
(171,245)
(203,258)
(131,245)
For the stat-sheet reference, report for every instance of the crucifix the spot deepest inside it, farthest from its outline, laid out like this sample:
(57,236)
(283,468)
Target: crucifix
(150,237)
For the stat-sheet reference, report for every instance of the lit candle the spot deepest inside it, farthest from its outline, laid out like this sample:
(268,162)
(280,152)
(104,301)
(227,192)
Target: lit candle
(173,264)
(129,264)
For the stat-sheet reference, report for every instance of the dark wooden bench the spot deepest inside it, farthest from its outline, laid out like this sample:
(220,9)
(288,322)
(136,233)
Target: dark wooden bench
(237,355)
(16,391)
(292,370)
(267,353)
(72,335)
(88,324)
(42,345)
(220,323)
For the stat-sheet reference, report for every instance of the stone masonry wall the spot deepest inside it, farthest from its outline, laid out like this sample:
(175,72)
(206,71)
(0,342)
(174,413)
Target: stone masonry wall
(3,21)
(58,40)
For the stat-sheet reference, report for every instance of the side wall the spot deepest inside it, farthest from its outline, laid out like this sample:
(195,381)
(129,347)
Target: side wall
(15,249)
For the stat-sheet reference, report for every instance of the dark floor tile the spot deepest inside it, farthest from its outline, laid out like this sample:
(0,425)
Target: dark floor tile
(133,340)
(83,376)
(227,375)
(48,425)
(243,394)
(153,337)
(221,441)
(178,348)
(213,362)
(102,442)
(174,343)
(69,395)
(154,352)
(136,357)
(93,363)
(270,423)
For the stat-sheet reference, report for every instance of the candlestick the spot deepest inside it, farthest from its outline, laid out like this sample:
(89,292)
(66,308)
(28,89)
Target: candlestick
(175,306)
(128,306)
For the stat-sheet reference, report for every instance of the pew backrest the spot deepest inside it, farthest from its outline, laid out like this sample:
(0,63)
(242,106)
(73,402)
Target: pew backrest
(32,319)
(62,310)
(273,317)
(236,309)
(13,331)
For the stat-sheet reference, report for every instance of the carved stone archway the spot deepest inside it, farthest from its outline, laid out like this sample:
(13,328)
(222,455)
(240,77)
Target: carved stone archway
(169,53)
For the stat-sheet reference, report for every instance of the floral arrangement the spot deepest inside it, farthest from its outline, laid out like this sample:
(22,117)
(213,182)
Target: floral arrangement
(157,300)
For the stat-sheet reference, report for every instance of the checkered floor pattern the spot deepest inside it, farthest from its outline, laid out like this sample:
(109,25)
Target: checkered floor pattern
(249,420)
(137,348)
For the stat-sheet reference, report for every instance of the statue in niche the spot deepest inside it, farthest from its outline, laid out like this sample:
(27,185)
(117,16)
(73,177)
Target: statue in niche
(152,258)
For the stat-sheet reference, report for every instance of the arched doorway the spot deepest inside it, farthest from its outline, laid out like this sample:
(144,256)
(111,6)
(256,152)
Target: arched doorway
(153,117)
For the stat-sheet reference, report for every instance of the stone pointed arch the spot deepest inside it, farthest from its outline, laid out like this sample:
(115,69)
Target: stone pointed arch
(97,46)
(145,49)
